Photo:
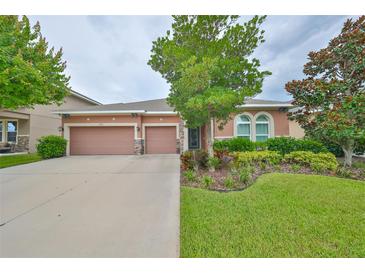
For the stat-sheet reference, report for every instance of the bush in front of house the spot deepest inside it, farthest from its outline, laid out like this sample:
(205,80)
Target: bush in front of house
(51,146)
(257,157)
(233,145)
(187,161)
(190,175)
(214,163)
(318,162)
(194,159)
(285,145)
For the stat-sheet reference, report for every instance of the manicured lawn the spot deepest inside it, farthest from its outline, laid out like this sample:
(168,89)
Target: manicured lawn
(281,215)
(14,160)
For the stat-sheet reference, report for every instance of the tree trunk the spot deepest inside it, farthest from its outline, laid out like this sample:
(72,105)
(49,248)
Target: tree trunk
(210,139)
(348,149)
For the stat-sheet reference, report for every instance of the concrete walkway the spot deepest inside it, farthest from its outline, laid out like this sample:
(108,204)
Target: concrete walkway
(91,206)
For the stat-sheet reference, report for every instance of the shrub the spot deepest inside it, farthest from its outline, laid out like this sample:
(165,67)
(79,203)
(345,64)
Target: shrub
(229,182)
(207,181)
(360,165)
(245,174)
(263,165)
(190,175)
(311,145)
(51,146)
(295,167)
(360,148)
(255,157)
(260,145)
(334,148)
(318,162)
(234,144)
(201,158)
(187,161)
(343,172)
(214,162)
(194,158)
(285,145)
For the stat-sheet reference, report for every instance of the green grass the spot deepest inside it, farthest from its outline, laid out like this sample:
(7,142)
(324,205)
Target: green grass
(359,164)
(20,159)
(281,215)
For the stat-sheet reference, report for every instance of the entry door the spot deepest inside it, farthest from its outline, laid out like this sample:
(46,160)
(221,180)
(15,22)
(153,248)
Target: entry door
(194,138)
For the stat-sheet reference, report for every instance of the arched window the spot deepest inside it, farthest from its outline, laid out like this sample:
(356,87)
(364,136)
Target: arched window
(243,125)
(262,128)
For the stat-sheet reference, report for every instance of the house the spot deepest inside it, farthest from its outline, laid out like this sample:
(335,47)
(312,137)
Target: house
(153,127)
(23,127)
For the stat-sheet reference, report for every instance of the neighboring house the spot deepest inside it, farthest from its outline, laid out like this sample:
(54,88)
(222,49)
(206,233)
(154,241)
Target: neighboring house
(23,127)
(152,127)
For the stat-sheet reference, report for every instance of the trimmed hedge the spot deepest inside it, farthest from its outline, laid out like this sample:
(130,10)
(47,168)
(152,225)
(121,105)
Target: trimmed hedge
(285,145)
(234,144)
(256,157)
(318,162)
(51,146)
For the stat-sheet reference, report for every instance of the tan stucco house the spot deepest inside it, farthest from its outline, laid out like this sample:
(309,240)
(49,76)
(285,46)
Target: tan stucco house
(23,127)
(153,127)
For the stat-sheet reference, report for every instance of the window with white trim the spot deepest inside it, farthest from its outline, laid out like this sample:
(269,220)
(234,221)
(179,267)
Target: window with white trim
(243,125)
(262,128)
(12,131)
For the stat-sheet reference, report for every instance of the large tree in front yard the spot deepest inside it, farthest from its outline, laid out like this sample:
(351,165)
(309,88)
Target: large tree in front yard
(30,72)
(331,101)
(207,62)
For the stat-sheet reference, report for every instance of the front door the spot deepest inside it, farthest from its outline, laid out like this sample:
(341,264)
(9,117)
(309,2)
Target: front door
(194,138)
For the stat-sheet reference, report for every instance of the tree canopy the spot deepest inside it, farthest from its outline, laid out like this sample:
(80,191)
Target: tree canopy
(30,72)
(331,100)
(207,60)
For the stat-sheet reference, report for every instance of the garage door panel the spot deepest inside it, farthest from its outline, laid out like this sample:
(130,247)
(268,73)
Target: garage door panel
(161,140)
(101,140)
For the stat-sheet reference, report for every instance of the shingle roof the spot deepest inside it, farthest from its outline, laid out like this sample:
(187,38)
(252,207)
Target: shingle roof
(155,105)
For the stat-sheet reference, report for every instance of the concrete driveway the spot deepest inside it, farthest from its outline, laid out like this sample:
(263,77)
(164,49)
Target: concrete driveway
(91,206)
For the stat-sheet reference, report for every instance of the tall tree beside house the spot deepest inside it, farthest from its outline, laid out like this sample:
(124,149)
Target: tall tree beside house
(331,100)
(30,72)
(207,60)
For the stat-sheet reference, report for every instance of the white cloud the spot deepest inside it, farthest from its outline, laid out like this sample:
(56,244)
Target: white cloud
(107,55)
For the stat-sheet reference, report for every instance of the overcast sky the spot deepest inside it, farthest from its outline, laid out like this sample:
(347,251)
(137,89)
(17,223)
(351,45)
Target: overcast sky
(107,55)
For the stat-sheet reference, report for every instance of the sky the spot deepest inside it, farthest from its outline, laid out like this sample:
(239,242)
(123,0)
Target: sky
(107,55)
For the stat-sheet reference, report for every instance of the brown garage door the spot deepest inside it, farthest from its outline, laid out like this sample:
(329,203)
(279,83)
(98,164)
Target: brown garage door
(101,140)
(161,140)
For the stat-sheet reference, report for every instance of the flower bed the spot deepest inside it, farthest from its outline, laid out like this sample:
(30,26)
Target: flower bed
(237,171)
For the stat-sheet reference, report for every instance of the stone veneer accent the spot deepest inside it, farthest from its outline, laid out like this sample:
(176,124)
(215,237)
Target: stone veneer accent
(180,140)
(22,144)
(139,146)
(178,146)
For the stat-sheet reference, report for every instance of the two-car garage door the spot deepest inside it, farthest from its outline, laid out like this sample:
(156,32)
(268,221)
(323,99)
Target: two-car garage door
(105,140)
(101,140)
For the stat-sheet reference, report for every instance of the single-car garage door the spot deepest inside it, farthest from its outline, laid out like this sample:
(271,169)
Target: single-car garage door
(160,140)
(101,140)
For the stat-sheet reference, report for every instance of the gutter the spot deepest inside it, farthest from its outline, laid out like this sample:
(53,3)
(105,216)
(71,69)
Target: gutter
(264,105)
(112,112)
(157,112)
(98,112)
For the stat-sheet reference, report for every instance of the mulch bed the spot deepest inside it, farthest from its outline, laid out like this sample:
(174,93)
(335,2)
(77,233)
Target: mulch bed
(221,174)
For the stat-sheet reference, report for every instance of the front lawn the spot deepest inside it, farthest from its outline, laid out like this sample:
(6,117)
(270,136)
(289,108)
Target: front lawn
(280,215)
(19,159)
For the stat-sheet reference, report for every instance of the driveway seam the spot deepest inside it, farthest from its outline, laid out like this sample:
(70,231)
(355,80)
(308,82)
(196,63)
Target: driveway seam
(42,204)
